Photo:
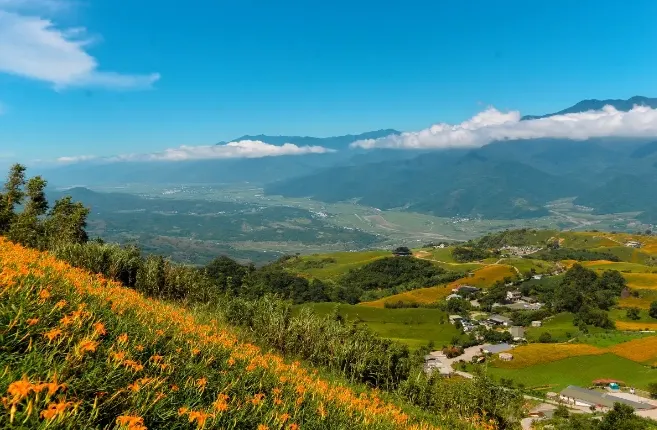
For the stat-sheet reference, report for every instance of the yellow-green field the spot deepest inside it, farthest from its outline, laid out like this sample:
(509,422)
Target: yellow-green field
(487,276)
(421,295)
(641,281)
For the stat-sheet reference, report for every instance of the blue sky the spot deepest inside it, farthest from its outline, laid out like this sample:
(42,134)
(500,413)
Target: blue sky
(144,76)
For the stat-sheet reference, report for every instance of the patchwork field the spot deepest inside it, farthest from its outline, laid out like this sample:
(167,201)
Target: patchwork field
(413,327)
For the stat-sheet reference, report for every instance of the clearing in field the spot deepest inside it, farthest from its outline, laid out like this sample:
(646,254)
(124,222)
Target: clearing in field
(539,353)
(420,295)
(486,276)
(640,350)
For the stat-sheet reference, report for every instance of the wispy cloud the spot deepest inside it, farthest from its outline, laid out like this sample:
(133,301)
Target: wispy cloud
(241,149)
(492,125)
(34,47)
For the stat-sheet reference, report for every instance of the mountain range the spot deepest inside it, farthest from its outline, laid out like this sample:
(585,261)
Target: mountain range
(501,180)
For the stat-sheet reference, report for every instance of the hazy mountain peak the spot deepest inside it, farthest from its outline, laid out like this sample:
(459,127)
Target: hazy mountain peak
(332,142)
(595,104)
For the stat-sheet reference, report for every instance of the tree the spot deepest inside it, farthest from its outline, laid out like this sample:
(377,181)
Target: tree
(561,412)
(545,337)
(12,197)
(652,389)
(27,227)
(653,309)
(66,222)
(633,313)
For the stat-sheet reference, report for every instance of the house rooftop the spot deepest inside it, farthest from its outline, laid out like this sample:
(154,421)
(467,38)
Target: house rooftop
(499,318)
(500,347)
(601,398)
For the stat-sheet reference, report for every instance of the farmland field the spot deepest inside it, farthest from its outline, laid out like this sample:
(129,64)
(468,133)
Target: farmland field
(526,264)
(646,297)
(645,281)
(541,353)
(620,266)
(580,370)
(636,325)
(560,326)
(642,350)
(413,327)
(420,295)
(334,265)
(486,276)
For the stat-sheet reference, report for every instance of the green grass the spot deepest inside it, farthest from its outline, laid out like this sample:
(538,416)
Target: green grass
(630,255)
(610,338)
(526,264)
(560,326)
(344,261)
(413,327)
(621,315)
(622,267)
(581,240)
(581,370)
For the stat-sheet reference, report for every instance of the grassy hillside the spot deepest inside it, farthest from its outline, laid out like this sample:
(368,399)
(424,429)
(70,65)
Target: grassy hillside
(413,327)
(79,351)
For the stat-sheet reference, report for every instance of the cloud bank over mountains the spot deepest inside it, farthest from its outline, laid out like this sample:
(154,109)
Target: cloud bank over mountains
(241,149)
(484,128)
(34,47)
(492,125)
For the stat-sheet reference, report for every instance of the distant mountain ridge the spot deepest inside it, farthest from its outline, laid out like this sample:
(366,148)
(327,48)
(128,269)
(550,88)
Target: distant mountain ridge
(503,180)
(334,142)
(594,104)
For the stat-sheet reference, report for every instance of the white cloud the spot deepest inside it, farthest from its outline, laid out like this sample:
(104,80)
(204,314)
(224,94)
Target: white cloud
(241,149)
(36,48)
(492,125)
(76,159)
